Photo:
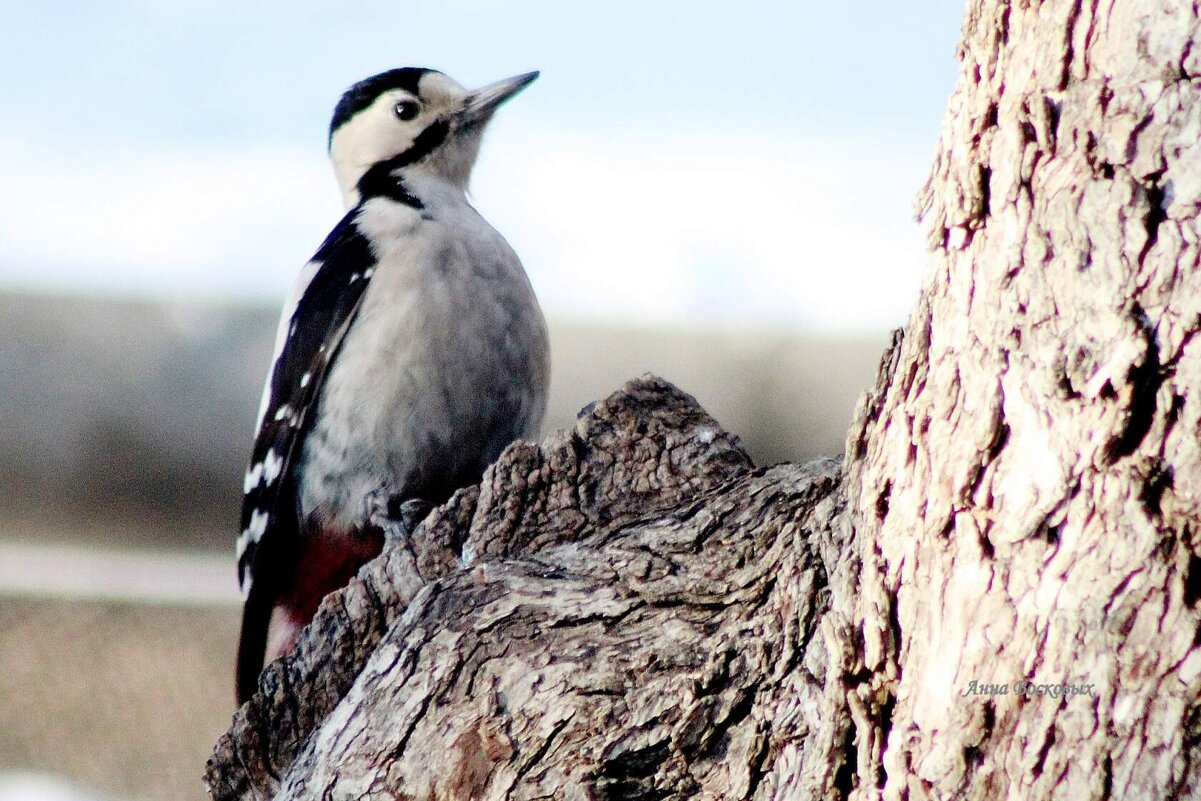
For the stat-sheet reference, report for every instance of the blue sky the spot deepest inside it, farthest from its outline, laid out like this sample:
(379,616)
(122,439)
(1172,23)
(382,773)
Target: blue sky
(743,163)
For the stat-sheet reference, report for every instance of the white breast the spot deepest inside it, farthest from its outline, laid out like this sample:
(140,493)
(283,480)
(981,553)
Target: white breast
(445,362)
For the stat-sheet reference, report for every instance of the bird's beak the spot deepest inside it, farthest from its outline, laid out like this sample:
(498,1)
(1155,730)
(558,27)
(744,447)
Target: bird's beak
(482,102)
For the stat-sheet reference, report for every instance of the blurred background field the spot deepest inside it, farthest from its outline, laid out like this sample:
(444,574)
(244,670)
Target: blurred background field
(125,699)
(141,411)
(126,424)
(719,194)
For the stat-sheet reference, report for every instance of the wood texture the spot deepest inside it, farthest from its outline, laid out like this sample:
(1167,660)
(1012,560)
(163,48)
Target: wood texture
(627,611)
(996,595)
(1025,494)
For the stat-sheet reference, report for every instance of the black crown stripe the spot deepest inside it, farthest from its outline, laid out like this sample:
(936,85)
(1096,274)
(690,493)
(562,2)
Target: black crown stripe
(364,93)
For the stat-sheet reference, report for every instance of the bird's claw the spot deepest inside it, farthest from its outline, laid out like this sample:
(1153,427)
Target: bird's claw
(396,522)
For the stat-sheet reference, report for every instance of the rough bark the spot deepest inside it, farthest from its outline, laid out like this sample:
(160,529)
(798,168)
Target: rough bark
(1025,493)
(627,611)
(632,610)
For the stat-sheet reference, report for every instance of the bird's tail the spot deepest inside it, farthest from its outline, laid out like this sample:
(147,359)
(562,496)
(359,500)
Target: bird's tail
(252,645)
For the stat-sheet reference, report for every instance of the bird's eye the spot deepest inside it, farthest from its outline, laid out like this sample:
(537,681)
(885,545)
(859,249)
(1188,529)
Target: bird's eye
(407,110)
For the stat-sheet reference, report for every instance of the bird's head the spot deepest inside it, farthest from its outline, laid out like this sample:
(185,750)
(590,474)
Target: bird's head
(412,118)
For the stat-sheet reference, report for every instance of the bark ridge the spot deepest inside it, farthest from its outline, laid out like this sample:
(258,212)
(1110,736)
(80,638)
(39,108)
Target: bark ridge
(626,611)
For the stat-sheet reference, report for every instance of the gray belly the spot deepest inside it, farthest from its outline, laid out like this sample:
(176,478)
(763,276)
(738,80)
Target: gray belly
(442,368)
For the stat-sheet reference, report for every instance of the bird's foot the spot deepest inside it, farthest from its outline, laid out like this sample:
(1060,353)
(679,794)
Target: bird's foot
(412,512)
(397,521)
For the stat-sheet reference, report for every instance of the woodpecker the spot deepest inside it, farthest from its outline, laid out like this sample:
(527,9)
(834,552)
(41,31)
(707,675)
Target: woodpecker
(410,352)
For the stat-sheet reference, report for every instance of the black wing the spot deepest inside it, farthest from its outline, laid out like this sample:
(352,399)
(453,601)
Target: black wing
(306,345)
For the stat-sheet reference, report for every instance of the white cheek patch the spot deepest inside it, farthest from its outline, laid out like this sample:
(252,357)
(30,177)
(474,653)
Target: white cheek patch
(370,136)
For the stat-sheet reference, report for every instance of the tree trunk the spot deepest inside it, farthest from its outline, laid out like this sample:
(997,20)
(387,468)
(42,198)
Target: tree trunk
(1026,498)
(995,596)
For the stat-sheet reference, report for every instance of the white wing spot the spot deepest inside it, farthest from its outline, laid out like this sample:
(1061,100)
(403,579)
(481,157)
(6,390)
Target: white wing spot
(354,277)
(292,330)
(282,412)
(305,379)
(370,271)
(253,476)
(272,465)
(258,525)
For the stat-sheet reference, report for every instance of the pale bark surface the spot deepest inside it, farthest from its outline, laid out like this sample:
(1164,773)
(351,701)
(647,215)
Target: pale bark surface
(627,611)
(1026,497)
(632,610)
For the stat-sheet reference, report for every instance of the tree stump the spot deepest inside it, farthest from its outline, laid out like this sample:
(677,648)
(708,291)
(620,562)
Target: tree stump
(995,594)
(628,610)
